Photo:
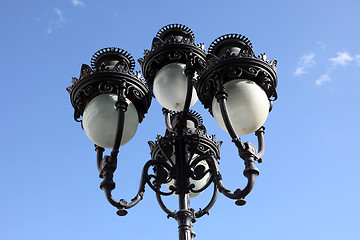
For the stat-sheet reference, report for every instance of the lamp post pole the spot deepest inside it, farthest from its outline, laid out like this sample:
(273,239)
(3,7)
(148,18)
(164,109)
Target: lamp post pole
(236,86)
(184,216)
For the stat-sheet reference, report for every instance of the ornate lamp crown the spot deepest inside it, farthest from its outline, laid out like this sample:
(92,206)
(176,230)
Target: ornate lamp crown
(192,116)
(232,57)
(231,44)
(109,68)
(172,43)
(177,32)
(112,56)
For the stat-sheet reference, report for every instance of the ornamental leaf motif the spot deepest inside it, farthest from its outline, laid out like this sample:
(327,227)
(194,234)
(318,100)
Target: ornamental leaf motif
(156,43)
(273,64)
(85,71)
(121,67)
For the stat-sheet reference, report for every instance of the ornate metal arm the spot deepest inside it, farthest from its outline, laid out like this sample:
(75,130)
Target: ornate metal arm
(221,96)
(164,208)
(168,124)
(189,72)
(250,172)
(247,151)
(201,212)
(206,210)
(261,144)
(107,168)
(108,164)
(121,106)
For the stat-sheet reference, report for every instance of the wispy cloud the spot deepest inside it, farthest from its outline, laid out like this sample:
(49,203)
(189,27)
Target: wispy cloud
(321,44)
(357,58)
(340,60)
(305,62)
(343,58)
(324,78)
(59,13)
(78,3)
(300,71)
(58,23)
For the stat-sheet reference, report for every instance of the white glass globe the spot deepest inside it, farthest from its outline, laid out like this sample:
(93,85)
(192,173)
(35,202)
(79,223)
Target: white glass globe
(100,121)
(247,105)
(198,183)
(170,86)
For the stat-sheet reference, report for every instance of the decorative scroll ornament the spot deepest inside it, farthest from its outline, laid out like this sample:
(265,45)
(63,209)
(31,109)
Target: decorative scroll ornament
(200,143)
(231,57)
(109,67)
(173,43)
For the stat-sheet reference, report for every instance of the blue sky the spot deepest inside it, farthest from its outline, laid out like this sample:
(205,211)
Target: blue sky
(308,186)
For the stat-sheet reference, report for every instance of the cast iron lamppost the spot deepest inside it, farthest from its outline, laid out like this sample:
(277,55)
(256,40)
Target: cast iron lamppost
(235,85)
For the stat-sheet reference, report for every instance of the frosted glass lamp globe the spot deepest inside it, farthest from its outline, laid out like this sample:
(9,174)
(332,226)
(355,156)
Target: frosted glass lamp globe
(198,184)
(170,87)
(100,121)
(247,105)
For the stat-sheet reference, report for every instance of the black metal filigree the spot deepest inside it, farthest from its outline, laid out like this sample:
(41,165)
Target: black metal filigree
(231,57)
(110,67)
(186,153)
(173,43)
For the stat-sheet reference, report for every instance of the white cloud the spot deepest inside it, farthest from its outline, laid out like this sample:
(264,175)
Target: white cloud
(308,60)
(77,3)
(49,29)
(300,71)
(343,58)
(324,78)
(53,25)
(321,44)
(305,62)
(357,58)
(58,12)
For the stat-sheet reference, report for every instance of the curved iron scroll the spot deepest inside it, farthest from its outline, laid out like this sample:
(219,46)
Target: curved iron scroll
(107,167)
(206,210)
(250,172)
(198,214)
(108,164)
(162,169)
(163,207)
(189,72)
(247,151)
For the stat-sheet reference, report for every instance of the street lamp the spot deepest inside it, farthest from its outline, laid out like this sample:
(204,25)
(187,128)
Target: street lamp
(235,85)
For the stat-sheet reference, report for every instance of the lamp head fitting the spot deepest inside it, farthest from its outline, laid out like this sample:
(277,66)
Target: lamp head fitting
(176,32)
(194,121)
(112,59)
(231,45)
